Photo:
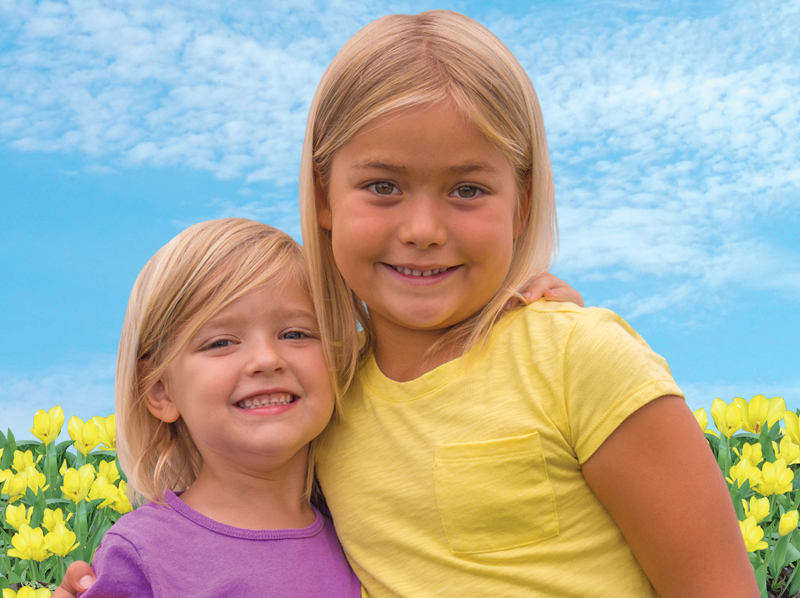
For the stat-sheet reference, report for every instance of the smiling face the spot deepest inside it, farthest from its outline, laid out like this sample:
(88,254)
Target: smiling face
(252,384)
(421,208)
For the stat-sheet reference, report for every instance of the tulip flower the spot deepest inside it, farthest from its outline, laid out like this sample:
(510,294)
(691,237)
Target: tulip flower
(728,418)
(47,424)
(742,472)
(788,451)
(14,486)
(752,534)
(61,541)
(776,478)
(702,419)
(23,461)
(101,488)
(29,544)
(77,483)
(754,413)
(17,515)
(777,407)
(758,508)
(34,479)
(792,426)
(53,519)
(63,469)
(788,523)
(107,429)
(122,505)
(27,592)
(86,435)
(108,470)
(751,452)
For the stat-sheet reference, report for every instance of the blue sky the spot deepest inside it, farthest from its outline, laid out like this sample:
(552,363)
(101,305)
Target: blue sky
(674,130)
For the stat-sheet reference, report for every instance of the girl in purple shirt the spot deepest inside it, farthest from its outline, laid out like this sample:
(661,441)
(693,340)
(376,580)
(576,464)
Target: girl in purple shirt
(221,388)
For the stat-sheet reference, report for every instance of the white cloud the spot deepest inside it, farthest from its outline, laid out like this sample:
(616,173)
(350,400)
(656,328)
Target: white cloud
(671,134)
(83,389)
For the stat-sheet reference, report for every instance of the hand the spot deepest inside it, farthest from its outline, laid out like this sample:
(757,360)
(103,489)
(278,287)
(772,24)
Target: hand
(78,578)
(546,286)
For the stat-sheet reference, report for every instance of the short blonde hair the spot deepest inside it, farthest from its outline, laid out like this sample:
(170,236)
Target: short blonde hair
(404,61)
(191,278)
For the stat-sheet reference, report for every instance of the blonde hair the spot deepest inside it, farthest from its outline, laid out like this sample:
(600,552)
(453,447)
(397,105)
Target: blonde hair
(191,278)
(404,61)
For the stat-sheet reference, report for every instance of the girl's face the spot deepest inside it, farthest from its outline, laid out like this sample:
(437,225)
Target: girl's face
(421,207)
(252,385)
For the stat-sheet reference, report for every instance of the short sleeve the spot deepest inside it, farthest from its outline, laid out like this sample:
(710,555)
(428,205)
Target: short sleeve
(609,373)
(120,571)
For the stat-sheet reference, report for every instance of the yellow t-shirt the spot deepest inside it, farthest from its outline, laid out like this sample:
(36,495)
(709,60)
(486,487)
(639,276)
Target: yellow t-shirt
(467,481)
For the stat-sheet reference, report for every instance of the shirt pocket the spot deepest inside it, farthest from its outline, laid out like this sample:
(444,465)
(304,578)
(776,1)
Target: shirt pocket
(494,494)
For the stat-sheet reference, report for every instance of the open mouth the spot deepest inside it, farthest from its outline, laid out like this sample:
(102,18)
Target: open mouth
(411,272)
(267,401)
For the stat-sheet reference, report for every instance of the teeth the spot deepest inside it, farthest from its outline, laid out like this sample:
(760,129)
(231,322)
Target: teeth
(410,272)
(276,399)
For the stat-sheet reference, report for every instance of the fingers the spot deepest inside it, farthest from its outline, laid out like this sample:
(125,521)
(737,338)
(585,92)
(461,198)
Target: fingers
(78,578)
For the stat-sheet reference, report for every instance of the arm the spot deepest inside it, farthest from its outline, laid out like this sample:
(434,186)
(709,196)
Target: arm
(546,286)
(671,503)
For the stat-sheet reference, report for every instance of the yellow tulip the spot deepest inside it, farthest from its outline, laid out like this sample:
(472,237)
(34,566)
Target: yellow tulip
(61,541)
(702,419)
(752,534)
(23,461)
(788,523)
(754,413)
(743,471)
(776,478)
(728,418)
(63,469)
(777,406)
(27,592)
(792,426)
(53,519)
(103,489)
(77,483)
(29,544)
(788,451)
(34,479)
(751,452)
(47,424)
(122,505)
(108,470)
(14,486)
(86,435)
(16,516)
(758,508)
(107,428)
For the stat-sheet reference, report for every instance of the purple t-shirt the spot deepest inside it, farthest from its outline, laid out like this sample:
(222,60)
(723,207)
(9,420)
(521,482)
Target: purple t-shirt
(168,551)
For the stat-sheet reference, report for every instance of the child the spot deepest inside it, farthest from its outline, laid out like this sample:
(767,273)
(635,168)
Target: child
(221,387)
(547,452)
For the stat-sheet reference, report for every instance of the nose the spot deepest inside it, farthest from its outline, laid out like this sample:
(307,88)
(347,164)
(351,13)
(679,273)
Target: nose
(423,223)
(265,358)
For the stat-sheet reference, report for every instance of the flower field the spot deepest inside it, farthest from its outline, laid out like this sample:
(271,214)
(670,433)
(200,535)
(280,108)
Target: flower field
(57,504)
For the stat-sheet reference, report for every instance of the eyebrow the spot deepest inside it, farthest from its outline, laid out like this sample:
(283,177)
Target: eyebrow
(460,169)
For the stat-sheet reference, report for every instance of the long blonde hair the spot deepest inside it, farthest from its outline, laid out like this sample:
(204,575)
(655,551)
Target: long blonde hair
(402,61)
(191,278)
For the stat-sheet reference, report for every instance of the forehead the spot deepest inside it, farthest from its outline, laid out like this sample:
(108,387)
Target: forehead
(435,135)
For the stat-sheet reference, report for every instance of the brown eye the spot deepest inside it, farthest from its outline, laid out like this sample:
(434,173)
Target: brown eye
(383,188)
(467,192)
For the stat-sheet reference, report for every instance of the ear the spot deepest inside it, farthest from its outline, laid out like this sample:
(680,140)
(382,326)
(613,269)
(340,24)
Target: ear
(160,404)
(321,198)
(524,211)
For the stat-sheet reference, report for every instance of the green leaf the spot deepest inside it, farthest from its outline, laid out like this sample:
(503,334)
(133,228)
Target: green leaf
(792,554)
(761,579)
(3,581)
(778,556)
(766,445)
(13,577)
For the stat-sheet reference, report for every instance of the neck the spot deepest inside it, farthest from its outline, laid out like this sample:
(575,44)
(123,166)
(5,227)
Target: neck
(403,354)
(252,499)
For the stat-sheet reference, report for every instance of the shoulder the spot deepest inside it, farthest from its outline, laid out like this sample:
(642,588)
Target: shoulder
(552,323)
(143,524)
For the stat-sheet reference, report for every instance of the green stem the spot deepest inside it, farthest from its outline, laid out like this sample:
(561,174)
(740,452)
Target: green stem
(34,576)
